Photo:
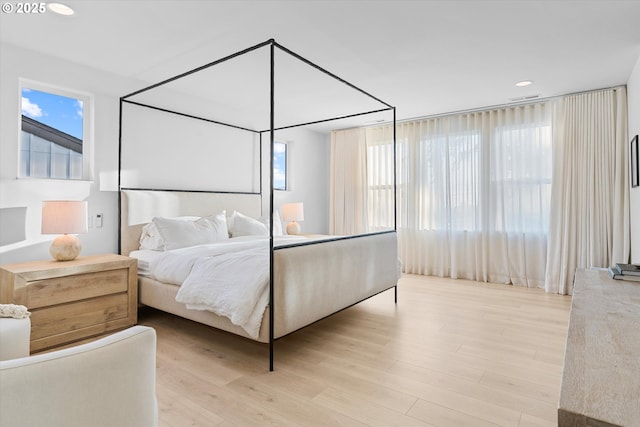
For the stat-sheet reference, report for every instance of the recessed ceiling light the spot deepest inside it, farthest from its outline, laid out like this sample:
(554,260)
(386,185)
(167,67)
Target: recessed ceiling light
(524,83)
(61,9)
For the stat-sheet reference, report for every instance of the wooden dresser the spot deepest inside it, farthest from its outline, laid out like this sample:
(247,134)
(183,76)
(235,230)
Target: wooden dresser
(73,300)
(601,375)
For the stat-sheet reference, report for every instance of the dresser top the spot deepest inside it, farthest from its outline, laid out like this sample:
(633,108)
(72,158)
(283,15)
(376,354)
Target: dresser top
(81,264)
(601,376)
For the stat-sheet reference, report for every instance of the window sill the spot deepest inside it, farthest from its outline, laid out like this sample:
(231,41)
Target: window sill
(79,181)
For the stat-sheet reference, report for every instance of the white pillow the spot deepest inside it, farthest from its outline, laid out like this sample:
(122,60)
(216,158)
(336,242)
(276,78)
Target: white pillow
(177,233)
(277,223)
(219,222)
(150,239)
(243,225)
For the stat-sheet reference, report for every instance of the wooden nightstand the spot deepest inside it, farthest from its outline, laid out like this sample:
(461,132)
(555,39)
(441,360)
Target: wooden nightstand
(73,300)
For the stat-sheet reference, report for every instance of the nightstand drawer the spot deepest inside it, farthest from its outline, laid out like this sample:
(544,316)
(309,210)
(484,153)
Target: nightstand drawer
(77,316)
(59,290)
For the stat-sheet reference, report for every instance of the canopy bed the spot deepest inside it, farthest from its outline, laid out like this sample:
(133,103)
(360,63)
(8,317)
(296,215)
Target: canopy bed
(193,228)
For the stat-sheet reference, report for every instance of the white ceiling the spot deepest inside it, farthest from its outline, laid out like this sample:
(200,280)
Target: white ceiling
(424,57)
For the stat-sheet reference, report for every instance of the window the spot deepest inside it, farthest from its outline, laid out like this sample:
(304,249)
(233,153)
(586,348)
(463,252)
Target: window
(449,177)
(380,179)
(521,174)
(473,192)
(54,129)
(280,166)
(480,172)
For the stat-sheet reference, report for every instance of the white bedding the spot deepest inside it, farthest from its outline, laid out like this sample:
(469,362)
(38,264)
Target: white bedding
(228,278)
(231,284)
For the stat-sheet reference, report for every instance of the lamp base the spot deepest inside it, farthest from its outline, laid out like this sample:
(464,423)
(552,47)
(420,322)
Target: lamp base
(293,228)
(65,248)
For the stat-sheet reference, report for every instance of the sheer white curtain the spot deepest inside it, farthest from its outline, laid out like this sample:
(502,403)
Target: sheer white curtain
(362,180)
(590,198)
(521,195)
(380,178)
(477,192)
(348,186)
(473,192)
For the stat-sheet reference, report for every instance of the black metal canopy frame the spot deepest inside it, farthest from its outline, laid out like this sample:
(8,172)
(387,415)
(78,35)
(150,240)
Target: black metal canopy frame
(272,45)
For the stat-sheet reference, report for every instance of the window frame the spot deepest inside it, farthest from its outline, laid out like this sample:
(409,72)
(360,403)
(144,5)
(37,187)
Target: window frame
(87,126)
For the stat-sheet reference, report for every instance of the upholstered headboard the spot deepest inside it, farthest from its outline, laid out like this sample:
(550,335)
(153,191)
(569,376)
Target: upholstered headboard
(138,207)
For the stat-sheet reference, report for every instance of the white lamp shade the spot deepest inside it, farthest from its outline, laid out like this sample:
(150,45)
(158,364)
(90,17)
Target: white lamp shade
(293,212)
(64,217)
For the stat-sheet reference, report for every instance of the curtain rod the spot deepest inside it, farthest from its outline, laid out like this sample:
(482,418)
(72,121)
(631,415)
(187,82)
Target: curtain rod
(500,106)
(482,109)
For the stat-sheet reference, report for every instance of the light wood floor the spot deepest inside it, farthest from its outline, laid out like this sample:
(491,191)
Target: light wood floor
(450,353)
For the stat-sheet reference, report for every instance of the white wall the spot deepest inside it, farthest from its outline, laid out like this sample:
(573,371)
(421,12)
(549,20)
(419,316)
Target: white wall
(633,97)
(29,193)
(308,176)
(308,164)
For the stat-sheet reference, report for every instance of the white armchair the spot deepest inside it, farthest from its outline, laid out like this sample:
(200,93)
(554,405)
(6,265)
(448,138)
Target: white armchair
(107,382)
(14,337)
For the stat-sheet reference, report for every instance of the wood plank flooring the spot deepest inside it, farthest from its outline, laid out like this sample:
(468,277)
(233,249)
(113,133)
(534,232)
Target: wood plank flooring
(450,353)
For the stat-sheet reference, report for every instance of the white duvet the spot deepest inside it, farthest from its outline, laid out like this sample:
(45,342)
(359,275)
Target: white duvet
(230,279)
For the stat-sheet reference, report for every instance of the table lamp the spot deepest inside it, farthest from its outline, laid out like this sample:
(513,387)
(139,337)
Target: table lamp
(64,217)
(293,212)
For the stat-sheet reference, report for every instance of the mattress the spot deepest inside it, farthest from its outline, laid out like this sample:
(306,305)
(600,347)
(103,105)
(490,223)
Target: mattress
(144,257)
